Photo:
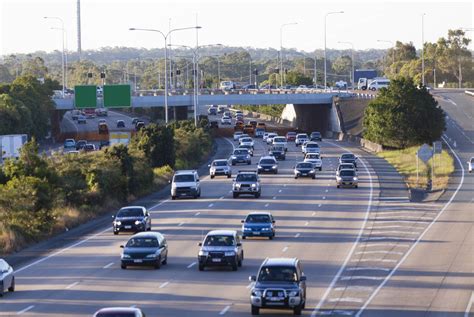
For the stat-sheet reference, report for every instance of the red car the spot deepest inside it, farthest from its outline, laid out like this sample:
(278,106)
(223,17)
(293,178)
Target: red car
(290,136)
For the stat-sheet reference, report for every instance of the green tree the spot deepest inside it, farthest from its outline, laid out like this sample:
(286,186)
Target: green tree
(454,55)
(157,143)
(342,65)
(296,79)
(403,115)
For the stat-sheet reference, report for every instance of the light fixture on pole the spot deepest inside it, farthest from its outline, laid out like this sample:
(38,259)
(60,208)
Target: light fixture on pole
(63,54)
(281,49)
(165,37)
(325,62)
(352,60)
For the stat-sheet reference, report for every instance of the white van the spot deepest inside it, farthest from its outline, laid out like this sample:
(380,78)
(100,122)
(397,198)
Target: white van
(379,83)
(227,85)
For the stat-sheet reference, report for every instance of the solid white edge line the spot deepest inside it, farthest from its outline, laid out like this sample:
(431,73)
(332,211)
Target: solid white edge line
(108,265)
(224,310)
(25,310)
(356,242)
(377,290)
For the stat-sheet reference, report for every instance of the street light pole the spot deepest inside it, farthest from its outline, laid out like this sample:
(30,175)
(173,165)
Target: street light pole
(352,60)
(165,37)
(281,50)
(325,62)
(63,63)
(423,49)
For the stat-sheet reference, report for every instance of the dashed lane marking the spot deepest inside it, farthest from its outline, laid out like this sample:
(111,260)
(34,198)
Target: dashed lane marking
(108,265)
(180,224)
(274,197)
(379,252)
(164,284)
(354,288)
(267,204)
(224,310)
(368,268)
(72,285)
(191,265)
(362,277)
(345,300)
(374,260)
(210,205)
(297,235)
(21,312)
(197,214)
(285,249)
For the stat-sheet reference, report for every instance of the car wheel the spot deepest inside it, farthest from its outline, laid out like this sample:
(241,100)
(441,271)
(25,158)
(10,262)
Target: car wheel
(123,266)
(320,169)
(356,186)
(257,195)
(276,172)
(233,164)
(296,177)
(255,310)
(12,286)
(270,237)
(201,267)
(239,263)
(304,304)
(314,177)
(235,265)
(158,264)
(244,237)
(229,175)
(235,195)
(297,310)
(149,228)
(338,186)
(173,197)
(212,176)
(116,232)
(165,261)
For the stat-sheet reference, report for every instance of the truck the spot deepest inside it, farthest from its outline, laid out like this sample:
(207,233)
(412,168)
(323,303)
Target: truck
(363,77)
(11,145)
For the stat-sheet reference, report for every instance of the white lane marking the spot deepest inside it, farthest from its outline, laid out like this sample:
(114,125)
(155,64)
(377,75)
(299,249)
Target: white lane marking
(224,310)
(222,197)
(379,252)
(388,238)
(306,223)
(279,191)
(403,217)
(469,305)
(180,224)
(108,265)
(159,204)
(402,221)
(72,285)
(284,185)
(210,205)
(274,197)
(385,213)
(297,235)
(284,249)
(21,312)
(191,265)
(374,260)
(267,204)
(314,213)
(197,214)
(324,197)
(394,198)
(319,205)
(61,251)
(354,288)
(368,268)
(327,190)
(362,277)
(356,242)
(369,245)
(394,227)
(164,284)
(377,290)
(393,232)
(345,300)
(343,312)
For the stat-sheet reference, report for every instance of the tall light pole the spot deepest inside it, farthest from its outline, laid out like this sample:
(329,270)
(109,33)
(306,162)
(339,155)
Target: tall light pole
(423,49)
(165,37)
(352,60)
(63,56)
(281,49)
(325,61)
(393,51)
(250,65)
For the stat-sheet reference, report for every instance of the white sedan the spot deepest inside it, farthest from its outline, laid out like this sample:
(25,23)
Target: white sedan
(246,141)
(270,137)
(226,120)
(310,147)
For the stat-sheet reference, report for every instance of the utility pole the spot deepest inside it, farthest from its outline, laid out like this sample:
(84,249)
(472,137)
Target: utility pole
(79,48)
(423,49)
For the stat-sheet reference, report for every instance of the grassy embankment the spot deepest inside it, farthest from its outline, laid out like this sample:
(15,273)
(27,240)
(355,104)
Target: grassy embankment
(405,162)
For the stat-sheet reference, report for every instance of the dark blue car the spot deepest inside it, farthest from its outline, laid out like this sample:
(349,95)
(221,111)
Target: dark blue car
(258,224)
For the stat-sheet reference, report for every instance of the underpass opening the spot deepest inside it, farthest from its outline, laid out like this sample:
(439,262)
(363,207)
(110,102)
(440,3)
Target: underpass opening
(309,117)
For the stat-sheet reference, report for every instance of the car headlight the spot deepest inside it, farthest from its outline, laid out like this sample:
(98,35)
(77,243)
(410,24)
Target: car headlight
(248,156)
(152,256)
(265,229)
(257,293)
(237,185)
(118,223)
(294,293)
(338,178)
(203,253)
(354,178)
(137,222)
(234,157)
(230,253)
(259,166)
(247,229)
(274,166)
(125,256)
(254,185)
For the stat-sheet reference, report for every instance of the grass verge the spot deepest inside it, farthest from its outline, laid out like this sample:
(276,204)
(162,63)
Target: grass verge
(405,161)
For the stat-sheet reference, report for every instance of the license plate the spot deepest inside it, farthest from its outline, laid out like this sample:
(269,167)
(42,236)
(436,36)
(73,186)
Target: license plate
(216,260)
(275,299)
(256,233)
(128,227)
(304,174)
(137,261)
(267,170)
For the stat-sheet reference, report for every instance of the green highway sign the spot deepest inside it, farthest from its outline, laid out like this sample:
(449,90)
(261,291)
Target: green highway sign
(85,96)
(117,96)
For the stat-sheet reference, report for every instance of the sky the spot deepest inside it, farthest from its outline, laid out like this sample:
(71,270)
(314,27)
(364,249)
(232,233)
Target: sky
(247,23)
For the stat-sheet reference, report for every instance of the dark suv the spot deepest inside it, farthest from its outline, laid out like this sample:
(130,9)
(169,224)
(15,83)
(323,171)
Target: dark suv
(221,248)
(280,284)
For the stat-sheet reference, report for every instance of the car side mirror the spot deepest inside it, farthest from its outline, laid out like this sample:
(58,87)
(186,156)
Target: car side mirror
(303,278)
(169,181)
(252,278)
(122,246)
(239,244)
(209,165)
(200,244)
(113,216)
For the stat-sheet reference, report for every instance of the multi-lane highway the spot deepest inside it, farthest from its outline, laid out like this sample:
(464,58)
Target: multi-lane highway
(366,251)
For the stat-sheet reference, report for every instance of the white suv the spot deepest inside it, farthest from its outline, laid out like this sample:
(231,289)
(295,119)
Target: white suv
(185,183)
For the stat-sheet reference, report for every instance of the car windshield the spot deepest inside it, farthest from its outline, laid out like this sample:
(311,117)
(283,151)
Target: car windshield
(183,178)
(302,136)
(347,173)
(258,219)
(291,133)
(347,156)
(131,212)
(219,241)
(267,161)
(241,152)
(272,135)
(237,133)
(312,156)
(245,140)
(142,243)
(278,274)
(279,139)
(304,165)
(315,134)
(246,178)
(219,163)
(312,145)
